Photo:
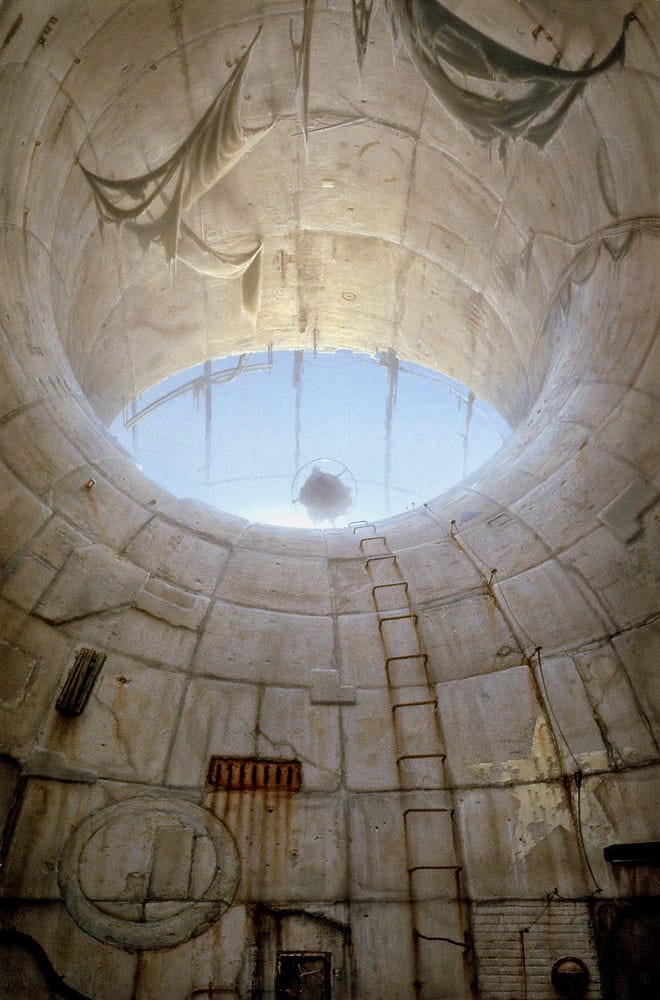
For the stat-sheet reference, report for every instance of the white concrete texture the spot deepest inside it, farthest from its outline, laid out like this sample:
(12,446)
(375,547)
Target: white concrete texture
(458,764)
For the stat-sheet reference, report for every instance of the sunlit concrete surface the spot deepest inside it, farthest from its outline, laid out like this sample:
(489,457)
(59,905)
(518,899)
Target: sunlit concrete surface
(470,687)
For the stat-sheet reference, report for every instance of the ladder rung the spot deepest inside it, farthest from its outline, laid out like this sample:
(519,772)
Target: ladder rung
(373,538)
(397,618)
(382,586)
(413,704)
(428,809)
(387,555)
(412,669)
(436,868)
(423,756)
(410,656)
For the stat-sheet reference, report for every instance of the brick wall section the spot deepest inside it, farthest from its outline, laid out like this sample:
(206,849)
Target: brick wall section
(563,929)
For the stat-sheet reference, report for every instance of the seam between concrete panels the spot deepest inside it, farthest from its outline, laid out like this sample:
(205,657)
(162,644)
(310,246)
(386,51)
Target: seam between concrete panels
(188,670)
(568,650)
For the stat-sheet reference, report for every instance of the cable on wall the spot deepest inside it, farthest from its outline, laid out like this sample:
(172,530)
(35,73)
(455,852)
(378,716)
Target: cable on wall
(491,582)
(553,894)
(577,775)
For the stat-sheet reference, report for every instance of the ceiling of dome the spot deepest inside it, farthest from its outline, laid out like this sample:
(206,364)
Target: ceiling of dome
(368,205)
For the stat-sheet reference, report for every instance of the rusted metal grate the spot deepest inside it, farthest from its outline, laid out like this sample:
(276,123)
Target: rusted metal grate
(80,681)
(248,773)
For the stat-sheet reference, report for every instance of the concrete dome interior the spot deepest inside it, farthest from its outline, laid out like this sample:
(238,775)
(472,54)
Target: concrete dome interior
(391,761)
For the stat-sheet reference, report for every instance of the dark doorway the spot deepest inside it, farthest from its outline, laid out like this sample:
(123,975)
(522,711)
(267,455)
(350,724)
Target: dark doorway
(629,945)
(302,975)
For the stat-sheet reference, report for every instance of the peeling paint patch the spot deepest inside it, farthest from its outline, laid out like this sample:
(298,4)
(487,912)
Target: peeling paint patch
(541,809)
(596,826)
(542,762)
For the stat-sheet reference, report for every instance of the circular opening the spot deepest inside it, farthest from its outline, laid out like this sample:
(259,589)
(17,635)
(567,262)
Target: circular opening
(305,438)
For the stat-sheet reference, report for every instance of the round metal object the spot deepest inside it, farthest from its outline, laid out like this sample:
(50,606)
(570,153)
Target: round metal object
(570,977)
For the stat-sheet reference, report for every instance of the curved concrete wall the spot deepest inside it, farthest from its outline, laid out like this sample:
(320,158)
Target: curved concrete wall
(530,603)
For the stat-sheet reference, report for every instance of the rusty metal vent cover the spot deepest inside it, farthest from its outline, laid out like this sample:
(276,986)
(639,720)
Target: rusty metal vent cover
(248,773)
(79,683)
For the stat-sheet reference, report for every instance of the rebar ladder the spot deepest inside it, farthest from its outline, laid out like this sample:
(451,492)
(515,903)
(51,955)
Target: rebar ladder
(440,927)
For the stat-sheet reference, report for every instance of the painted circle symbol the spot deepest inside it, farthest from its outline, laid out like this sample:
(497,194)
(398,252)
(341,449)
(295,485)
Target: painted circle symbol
(148,873)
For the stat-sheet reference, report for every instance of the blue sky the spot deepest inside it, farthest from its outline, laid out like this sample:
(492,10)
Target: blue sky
(234,444)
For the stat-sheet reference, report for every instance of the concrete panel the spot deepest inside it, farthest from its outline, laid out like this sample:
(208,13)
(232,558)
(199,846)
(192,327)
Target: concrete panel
(504,543)
(632,432)
(640,654)
(31,868)
(27,582)
(383,929)
(616,707)
(444,631)
(104,513)
(32,654)
(573,716)
(379,157)
(216,956)
(495,730)
(127,726)
(21,514)
(441,963)
(292,728)
(551,608)
(217,718)
(282,541)
(624,515)
(369,745)
(625,577)
(363,657)
(378,862)
(277,582)
(178,555)
(429,838)
(56,541)
(517,841)
(292,846)
(139,635)
(545,450)
(93,579)
(351,586)
(437,571)
(249,643)
(45,454)
(84,964)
